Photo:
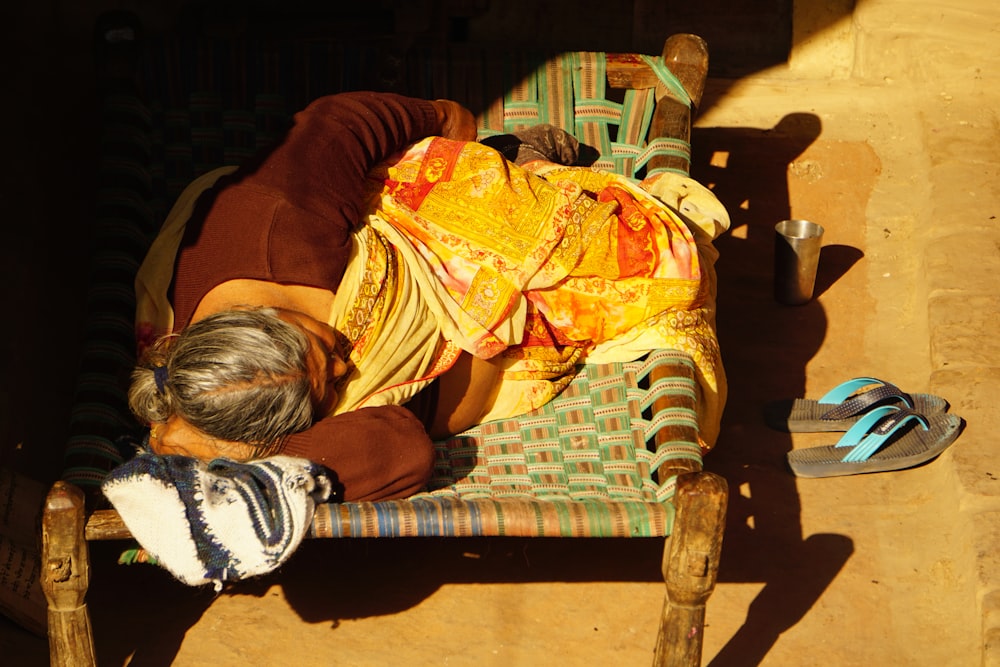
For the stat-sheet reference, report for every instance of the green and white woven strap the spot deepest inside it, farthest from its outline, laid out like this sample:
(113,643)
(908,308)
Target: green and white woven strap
(667,78)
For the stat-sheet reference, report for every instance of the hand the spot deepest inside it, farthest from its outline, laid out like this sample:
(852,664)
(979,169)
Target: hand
(457,122)
(177,437)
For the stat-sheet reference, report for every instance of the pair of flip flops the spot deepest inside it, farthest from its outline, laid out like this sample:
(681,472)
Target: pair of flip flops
(884,428)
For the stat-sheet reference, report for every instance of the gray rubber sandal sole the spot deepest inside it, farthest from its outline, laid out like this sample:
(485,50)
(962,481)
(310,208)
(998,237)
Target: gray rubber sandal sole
(908,447)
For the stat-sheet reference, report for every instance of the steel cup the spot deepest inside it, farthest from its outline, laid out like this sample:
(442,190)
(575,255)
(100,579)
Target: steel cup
(797,246)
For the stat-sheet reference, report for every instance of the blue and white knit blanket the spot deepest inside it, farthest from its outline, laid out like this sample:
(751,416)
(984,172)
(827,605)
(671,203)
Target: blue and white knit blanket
(217,521)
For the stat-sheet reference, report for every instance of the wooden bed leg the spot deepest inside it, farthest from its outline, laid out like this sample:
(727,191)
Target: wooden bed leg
(65,577)
(687,57)
(690,566)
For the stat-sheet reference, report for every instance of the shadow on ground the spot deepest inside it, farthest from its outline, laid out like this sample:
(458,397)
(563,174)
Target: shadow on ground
(766,347)
(140,615)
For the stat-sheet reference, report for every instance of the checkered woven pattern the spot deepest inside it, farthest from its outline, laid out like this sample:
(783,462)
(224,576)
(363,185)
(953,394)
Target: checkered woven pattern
(571,90)
(583,465)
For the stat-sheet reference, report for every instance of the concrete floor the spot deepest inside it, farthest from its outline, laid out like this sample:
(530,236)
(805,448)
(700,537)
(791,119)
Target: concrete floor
(889,569)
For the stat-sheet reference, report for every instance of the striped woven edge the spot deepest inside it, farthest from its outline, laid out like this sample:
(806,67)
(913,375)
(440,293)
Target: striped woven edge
(451,517)
(663,147)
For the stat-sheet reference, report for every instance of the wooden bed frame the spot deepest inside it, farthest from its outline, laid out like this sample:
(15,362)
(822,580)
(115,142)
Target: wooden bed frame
(692,519)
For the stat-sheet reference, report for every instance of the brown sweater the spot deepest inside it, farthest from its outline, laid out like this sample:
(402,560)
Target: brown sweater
(286,217)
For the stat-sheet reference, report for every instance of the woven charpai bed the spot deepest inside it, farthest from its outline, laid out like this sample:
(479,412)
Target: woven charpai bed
(616,454)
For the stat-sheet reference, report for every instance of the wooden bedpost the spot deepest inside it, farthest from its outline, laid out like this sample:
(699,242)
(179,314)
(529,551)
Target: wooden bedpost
(65,577)
(686,56)
(690,565)
(692,552)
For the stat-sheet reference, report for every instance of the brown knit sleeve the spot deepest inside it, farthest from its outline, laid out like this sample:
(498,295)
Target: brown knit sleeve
(322,165)
(376,453)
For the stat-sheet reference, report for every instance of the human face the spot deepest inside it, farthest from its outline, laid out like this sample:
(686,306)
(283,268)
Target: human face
(324,363)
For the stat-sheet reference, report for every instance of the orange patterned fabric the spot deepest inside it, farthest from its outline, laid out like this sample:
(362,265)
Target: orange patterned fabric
(544,269)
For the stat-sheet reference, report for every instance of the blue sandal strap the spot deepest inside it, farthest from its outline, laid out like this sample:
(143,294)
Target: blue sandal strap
(844,409)
(861,427)
(872,431)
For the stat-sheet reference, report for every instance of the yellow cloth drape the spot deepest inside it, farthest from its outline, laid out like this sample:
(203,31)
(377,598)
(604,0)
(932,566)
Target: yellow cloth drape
(543,270)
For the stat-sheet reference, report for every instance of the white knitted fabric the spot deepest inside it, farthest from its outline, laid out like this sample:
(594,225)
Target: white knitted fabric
(217,521)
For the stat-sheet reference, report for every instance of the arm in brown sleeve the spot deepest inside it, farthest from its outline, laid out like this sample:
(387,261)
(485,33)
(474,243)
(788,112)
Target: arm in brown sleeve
(377,453)
(322,165)
(287,214)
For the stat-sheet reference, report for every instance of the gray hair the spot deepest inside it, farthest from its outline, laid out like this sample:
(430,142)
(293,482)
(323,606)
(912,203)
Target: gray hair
(237,375)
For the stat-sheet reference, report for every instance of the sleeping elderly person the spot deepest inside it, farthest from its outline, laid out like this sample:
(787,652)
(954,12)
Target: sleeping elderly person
(380,279)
